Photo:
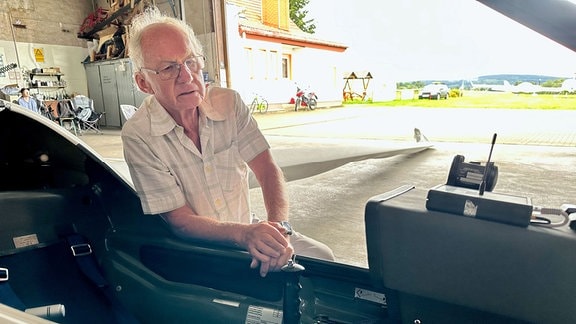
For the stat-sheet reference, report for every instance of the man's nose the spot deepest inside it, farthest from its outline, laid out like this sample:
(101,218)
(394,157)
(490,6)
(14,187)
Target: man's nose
(185,73)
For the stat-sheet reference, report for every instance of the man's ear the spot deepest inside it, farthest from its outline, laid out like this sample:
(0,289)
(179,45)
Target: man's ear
(143,84)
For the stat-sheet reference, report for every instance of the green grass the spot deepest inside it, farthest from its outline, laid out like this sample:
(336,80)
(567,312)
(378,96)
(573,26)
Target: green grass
(475,99)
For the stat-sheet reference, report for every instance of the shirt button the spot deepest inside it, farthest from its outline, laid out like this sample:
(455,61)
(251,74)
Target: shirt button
(208,169)
(218,202)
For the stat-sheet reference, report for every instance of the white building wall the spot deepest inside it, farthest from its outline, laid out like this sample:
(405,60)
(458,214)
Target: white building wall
(256,67)
(319,71)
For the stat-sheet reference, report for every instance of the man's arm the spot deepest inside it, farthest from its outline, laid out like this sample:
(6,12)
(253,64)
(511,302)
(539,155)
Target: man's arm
(185,223)
(267,246)
(271,180)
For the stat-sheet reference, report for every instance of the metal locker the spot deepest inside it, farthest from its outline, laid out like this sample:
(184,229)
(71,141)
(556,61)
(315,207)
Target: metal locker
(110,84)
(95,89)
(125,82)
(128,92)
(110,94)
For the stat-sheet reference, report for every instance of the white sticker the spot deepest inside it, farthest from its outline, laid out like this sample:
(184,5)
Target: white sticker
(470,209)
(370,295)
(26,240)
(263,315)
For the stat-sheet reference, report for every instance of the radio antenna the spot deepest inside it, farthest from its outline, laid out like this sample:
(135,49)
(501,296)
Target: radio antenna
(483,183)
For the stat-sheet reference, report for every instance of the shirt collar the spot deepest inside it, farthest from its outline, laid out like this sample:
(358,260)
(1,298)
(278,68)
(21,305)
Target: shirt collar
(215,107)
(161,122)
(216,104)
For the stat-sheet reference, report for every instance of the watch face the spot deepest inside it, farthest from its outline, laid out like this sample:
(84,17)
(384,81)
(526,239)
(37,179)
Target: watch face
(287,227)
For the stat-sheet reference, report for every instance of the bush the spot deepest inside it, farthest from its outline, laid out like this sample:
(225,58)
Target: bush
(454,93)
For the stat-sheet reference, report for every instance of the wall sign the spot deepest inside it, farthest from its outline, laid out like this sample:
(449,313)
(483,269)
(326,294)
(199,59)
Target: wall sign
(39,55)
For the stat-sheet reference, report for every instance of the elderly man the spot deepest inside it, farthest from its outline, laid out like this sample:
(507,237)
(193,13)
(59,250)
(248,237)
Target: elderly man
(188,149)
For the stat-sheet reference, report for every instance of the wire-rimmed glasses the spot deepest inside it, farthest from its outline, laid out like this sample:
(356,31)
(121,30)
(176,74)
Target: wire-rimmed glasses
(171,71)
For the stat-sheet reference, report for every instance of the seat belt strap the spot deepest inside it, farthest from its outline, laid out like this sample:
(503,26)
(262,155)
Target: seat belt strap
(7,295)
(82,252)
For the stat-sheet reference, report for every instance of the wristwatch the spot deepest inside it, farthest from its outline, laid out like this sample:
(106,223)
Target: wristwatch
(287,227)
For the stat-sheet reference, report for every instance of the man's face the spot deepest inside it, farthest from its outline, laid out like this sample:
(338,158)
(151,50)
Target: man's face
(166,47)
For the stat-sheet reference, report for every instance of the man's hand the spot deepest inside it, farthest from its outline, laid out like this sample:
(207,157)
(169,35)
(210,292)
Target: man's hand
(268,236)
(265,241)
(268,246)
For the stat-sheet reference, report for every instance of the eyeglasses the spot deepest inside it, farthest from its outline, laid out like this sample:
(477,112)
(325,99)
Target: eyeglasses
(172,71)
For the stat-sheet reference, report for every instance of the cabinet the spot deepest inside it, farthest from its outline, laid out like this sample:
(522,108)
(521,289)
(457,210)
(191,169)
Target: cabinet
(110,84)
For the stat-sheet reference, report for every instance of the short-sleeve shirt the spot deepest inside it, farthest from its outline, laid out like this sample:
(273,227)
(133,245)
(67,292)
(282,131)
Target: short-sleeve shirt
(168,170)
(30,104)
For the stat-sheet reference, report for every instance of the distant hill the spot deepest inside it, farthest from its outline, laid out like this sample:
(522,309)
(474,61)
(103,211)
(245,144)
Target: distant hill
(515,78)
(498,79)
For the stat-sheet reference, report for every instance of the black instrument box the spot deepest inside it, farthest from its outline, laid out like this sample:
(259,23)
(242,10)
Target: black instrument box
(503,208)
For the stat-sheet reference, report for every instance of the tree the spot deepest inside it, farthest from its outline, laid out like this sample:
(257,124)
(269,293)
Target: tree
(298,16)
(555,83)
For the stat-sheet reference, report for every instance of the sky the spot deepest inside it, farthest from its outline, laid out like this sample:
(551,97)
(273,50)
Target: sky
(408,40)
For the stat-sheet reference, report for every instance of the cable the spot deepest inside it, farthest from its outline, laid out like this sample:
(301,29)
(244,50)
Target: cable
(540,217)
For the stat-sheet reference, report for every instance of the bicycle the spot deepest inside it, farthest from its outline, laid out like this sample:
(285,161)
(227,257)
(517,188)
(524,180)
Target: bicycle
(259,104)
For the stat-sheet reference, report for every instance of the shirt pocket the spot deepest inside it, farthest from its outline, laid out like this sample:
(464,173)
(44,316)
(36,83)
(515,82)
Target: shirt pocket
(230,168)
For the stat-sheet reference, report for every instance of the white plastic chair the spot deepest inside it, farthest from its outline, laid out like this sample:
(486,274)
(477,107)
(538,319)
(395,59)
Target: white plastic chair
(128,111)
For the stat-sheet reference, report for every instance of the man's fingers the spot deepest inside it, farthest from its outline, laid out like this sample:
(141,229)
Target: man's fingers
(269,245)
(264,267)
(269,248)
(254,263)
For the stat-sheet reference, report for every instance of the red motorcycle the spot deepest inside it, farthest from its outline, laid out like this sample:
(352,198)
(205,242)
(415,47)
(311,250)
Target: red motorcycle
(305,99)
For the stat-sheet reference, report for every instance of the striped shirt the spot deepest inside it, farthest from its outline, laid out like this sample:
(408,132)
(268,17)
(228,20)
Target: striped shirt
(168,170)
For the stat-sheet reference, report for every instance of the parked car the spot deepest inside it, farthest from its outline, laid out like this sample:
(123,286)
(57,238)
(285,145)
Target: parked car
(434,91)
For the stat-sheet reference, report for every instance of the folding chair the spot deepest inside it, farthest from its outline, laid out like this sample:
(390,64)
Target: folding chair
(45,111)
(86,116)
(67,116)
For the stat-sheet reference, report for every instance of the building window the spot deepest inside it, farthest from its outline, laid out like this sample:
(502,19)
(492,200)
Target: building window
(249,62)
(276,13)
(260,65)
(286,66)
(273,65)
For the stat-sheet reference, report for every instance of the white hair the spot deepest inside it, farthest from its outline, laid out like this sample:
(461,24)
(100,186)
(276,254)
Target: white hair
(149,17)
